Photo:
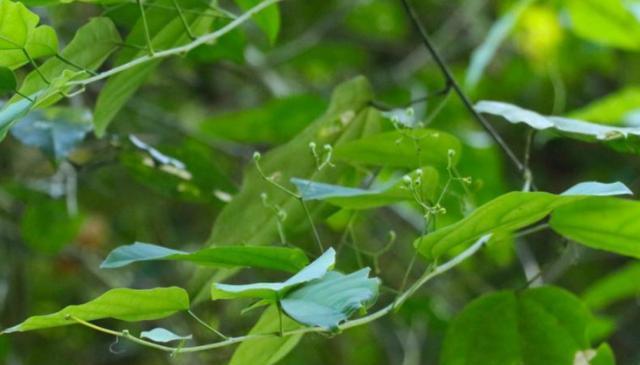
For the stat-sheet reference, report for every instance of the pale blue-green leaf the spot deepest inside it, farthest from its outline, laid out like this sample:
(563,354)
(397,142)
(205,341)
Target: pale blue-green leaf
(275,258)
(516,114)
(123,304)
(10,113)
(163,335)
(54,131)
(274,291)
(594,188)
(380,195)
(481,56)
(328,301)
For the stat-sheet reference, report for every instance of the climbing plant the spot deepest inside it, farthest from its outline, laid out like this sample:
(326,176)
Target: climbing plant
(354,209)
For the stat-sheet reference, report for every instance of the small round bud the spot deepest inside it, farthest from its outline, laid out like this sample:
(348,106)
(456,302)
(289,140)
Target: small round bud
(419,172)
(327,147)
(312,145)
(407,179)
(451,152)
(256,156)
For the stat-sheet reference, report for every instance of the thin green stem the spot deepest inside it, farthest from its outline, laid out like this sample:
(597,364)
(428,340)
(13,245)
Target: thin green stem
(74,65)
(35,66)
(206,325)
(145,25)
(316,235)
(183,19)
(203,39)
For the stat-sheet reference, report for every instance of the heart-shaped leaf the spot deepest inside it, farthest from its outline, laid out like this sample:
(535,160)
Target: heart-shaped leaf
(332,299)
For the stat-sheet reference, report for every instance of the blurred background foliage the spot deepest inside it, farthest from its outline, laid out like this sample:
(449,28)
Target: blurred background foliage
(176,152)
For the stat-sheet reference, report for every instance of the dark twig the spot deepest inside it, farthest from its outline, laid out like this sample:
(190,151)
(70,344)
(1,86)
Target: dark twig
(456,87)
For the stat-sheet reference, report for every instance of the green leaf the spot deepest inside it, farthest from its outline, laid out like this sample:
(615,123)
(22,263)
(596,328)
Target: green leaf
(507,212)
(354,198)
(481,56)
(123,304)
(538,326)
(608,23)
(616,108)
(89,48)
(604,224)
(274,122)
(276,258)
(275,291)
(411,149)
(163,335)
(55,131)
(603,356)
(167,30)
(267,20)
(19,34)
(18,23)
(621,284)
(269,350)
(332,299)
(8,81)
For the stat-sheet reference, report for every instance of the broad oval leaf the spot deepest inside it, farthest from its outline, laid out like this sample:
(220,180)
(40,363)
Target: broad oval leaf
(328,301)
(274,291)
(608,224)
(538,326)
(163,335)
(410,149)
(124,304)
(507,212)
(276,258)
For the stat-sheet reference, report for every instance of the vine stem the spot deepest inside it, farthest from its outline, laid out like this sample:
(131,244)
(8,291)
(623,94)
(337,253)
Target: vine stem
(209,37)
(395,305)
(451,81)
